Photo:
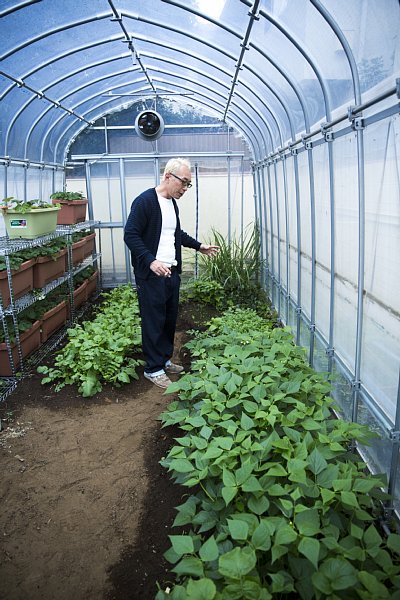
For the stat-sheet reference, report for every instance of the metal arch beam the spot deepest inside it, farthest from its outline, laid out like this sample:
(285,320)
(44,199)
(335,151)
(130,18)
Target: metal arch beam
(198,13)
(252,17)
(206,103)
(285,109)
(48,132)
(56,82)
(54,59)
(308,59)
(167,27)
(298,95)
(267,108)
(131,47)
(288,79)
(43,114)
(345,45)
(40,117)
(12,9)
(42,36)
(71,74)
(203,86)
(240,128)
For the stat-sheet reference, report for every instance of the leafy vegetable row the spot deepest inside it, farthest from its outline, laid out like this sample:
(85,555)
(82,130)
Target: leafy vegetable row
(102,350)
(280,506)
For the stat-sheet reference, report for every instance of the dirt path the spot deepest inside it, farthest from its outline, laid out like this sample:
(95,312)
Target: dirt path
(85,506)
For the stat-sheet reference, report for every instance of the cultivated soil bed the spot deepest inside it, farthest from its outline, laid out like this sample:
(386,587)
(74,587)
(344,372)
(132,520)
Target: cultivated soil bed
(86,508)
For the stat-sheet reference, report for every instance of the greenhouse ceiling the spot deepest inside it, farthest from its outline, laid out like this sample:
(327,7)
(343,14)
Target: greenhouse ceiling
(275,70)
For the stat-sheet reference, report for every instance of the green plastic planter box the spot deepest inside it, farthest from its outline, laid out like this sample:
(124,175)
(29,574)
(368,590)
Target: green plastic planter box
(30,225)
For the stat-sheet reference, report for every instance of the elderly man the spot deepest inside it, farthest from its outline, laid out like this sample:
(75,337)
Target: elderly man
(154,236)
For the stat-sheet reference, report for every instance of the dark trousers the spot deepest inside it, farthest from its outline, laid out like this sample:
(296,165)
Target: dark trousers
(158,304)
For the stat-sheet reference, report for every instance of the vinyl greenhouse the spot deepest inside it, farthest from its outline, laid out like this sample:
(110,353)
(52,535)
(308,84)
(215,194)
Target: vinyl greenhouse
(288,113)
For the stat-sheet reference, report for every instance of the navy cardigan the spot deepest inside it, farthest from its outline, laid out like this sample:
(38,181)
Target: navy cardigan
(143,231)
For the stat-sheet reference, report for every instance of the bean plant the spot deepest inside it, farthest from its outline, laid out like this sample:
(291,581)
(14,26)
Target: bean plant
(102,350)
(279,505)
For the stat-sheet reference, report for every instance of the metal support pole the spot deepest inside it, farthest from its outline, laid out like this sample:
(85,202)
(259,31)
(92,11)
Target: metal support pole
(287,236)
(229,199)
(330,349)
(263,238)
(278,234)
(89,191)
(242,200)
(361,262)
(272,262)
(313,255)
(394,463)
(196,258)
(298,228)
(124,218)
(260,220)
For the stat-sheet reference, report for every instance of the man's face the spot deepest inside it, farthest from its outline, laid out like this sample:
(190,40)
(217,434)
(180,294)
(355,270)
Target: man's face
(178,182)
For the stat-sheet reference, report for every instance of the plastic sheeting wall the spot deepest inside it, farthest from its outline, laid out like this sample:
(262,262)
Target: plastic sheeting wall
(332,225)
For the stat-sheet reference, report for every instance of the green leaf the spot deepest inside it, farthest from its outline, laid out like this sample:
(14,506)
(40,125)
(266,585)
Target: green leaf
(228,494)
(228,478)
(237,563)
(316,462)
(310,547)
(261,538)
(243,473)
(373,585)
(189,565)
(335,574)
(181,465)
(206,432)
(258,505)
(356,531)
(278,551)
(202,589)
(209,550)
(182,544)
(327,496)
(252,485)
(307,522)
(285,535)
(350,499)
(277,470)
(364,485)
(239,530)
(230,387)
(393,542)
(246,423)
(372,537)
(213,452)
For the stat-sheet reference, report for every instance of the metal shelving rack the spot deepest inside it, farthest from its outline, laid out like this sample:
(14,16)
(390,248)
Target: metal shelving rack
(7,248)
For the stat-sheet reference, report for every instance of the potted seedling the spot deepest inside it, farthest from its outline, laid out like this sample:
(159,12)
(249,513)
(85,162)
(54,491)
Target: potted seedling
(73,207)
(28,219)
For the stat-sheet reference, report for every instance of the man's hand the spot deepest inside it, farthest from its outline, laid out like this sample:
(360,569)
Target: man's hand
(209,250)
(160,269)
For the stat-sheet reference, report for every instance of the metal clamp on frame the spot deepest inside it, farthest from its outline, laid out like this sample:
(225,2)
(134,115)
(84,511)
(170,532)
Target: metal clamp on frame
(394,436)
(327,132)
(307,143)
(357,121)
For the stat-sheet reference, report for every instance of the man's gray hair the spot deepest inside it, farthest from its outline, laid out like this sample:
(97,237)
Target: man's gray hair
(174,164)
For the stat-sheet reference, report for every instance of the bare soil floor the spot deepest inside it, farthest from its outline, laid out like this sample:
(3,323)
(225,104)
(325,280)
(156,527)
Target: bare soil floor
(86,508)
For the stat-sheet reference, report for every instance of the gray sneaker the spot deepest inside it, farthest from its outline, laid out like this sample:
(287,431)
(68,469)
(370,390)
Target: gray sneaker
(172,368)
(161,381)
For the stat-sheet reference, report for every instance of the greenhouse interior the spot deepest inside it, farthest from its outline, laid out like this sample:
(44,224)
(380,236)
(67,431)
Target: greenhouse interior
(288,111)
